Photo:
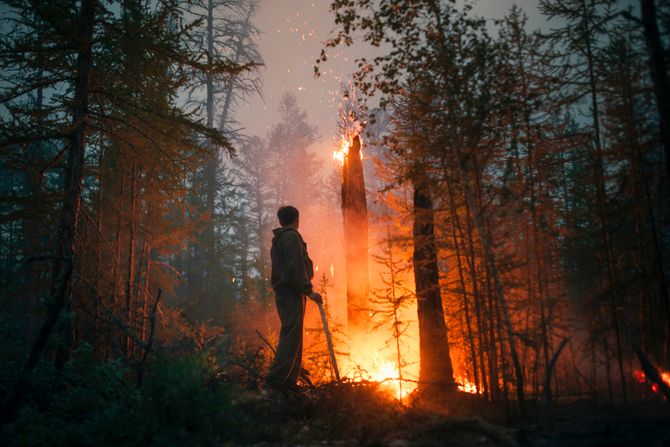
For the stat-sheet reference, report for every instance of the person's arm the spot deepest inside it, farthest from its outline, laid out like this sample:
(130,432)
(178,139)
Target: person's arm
(295,255)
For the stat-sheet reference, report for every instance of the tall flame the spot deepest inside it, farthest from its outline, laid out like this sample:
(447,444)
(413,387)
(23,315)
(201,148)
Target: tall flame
(341,154)
(366,363)
(466,386)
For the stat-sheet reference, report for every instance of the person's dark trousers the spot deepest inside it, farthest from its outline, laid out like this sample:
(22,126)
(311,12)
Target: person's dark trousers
(285,368)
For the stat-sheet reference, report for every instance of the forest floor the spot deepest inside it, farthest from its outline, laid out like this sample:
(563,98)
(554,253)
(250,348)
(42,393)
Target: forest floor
(181,402)
(354,414)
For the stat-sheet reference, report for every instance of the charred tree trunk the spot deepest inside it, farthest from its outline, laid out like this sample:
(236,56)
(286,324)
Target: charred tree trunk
(436,372)
(659,74)
(355,218)
(63,265)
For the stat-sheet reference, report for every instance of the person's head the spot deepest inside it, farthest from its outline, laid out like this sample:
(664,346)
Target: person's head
(288,215)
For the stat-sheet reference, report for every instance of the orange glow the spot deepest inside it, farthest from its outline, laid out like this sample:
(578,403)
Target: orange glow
(372,360)
(466,386)
(641,377)
(341,154)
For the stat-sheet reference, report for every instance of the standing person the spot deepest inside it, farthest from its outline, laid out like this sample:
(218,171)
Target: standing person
(292,272)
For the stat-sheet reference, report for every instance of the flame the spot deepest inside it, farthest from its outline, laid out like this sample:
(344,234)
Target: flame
(384,371)
(371,360)
(340,155)
(466,386)
(641,377)
(345,143)
(387,374)
(332,271)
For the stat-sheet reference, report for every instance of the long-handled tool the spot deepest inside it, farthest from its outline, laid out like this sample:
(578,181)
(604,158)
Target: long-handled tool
(330,342)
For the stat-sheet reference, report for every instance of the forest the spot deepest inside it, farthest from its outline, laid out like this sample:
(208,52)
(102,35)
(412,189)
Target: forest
(488,214)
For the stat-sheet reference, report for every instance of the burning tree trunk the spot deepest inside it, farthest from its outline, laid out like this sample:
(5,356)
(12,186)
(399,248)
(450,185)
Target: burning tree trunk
(436,371)
(355,217)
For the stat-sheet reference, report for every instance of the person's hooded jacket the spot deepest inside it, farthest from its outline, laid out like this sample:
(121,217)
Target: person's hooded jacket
(292,269)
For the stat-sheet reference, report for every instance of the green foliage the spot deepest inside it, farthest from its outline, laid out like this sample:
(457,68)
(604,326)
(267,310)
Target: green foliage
(94,404)
(181,404)
(89,403)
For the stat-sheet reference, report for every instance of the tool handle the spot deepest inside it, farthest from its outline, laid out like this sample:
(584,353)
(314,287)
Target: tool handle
(333,360)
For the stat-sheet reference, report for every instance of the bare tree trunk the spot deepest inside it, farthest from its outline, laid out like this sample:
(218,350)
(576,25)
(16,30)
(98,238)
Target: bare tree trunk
(461,277)
(659,74)
(230,88)
(492,350)
(208,243)
(436,371)
(95,337)
(355,219)
(63,265)
(145,294)
(130,280)
(485,238)
(608,370)
(546,387)
(644,208)
(479,311)
(601,199)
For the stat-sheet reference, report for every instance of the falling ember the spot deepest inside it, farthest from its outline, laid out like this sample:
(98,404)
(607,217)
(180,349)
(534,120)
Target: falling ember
(332,271)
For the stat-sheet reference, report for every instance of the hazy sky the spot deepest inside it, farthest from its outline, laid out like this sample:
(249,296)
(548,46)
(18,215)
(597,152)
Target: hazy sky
(292,36)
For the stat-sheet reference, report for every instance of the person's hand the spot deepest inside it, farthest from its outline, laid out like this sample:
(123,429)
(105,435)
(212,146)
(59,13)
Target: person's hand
(316,297)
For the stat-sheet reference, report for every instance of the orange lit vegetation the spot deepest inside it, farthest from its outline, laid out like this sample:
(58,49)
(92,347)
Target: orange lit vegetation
(370,360)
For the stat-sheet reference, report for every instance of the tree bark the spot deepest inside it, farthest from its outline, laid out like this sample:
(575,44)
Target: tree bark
(659,73)
(230,88)
(130,280)
(461,276)
(659,76)
(208,242)
(436,372)
(601,197)
(355,219)
(60,292)
(546,388)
